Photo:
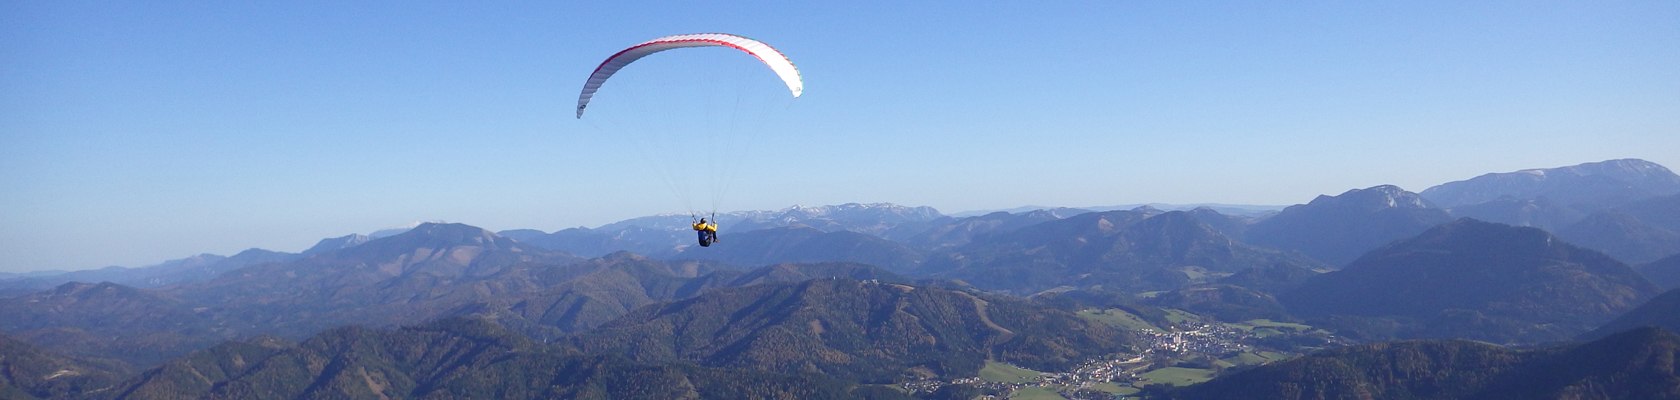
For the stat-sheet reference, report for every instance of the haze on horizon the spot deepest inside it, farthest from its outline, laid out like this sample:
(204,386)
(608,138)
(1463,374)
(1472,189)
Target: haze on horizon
(137,133)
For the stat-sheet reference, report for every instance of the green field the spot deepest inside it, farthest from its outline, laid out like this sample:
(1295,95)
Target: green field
(1268,328)
(1117,318)
(1253,358)
(1005,373)
(1178,316)
(1266,323)
(1176,376)
(1111,387)
(1036,393)
(1245,358)
(897,388)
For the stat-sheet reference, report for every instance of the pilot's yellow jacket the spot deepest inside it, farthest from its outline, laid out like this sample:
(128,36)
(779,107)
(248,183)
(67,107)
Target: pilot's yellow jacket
(705,227)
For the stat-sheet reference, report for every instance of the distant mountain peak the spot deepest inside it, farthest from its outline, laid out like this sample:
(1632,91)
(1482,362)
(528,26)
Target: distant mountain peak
(396,230)
(447,245)
(1337,229)
(453,230)
(254,251)
(85,290)
(801,211)
(871,218)
(439,236)
(341,242)
(1625,165)
(1590,186)
(1374,198)
(851,206)
(72,288)
(1184,224)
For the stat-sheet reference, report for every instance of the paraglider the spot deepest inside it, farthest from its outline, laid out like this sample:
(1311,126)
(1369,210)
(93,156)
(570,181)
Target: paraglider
(707,231)
(731,115)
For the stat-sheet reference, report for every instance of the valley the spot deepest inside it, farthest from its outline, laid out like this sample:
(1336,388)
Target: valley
(886,302)
(1190,350)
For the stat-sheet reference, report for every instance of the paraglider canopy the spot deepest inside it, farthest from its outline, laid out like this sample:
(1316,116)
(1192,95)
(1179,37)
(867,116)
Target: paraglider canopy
(777,62)
(692,116)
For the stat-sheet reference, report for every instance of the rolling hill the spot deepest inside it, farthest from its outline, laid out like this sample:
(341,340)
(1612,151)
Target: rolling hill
(866,331)
(1637,364)
(1477,280)
(1338,229)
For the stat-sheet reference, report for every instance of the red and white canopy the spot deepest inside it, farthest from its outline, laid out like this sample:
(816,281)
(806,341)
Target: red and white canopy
(777,62)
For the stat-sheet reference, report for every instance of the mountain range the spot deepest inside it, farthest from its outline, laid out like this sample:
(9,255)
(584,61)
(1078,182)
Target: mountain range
(1627,208)
(432,271)
(852,301)
(450,358)
(817,338)
(197,268)
(664,235)
(1138,250)
(1586,188)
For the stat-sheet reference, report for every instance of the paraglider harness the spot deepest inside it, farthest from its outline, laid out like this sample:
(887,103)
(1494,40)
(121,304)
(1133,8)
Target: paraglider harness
(707,231)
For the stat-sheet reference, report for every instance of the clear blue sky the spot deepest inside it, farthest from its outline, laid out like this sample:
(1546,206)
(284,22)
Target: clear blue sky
(134,132)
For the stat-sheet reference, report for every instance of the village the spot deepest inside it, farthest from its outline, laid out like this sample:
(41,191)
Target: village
(1191,352)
